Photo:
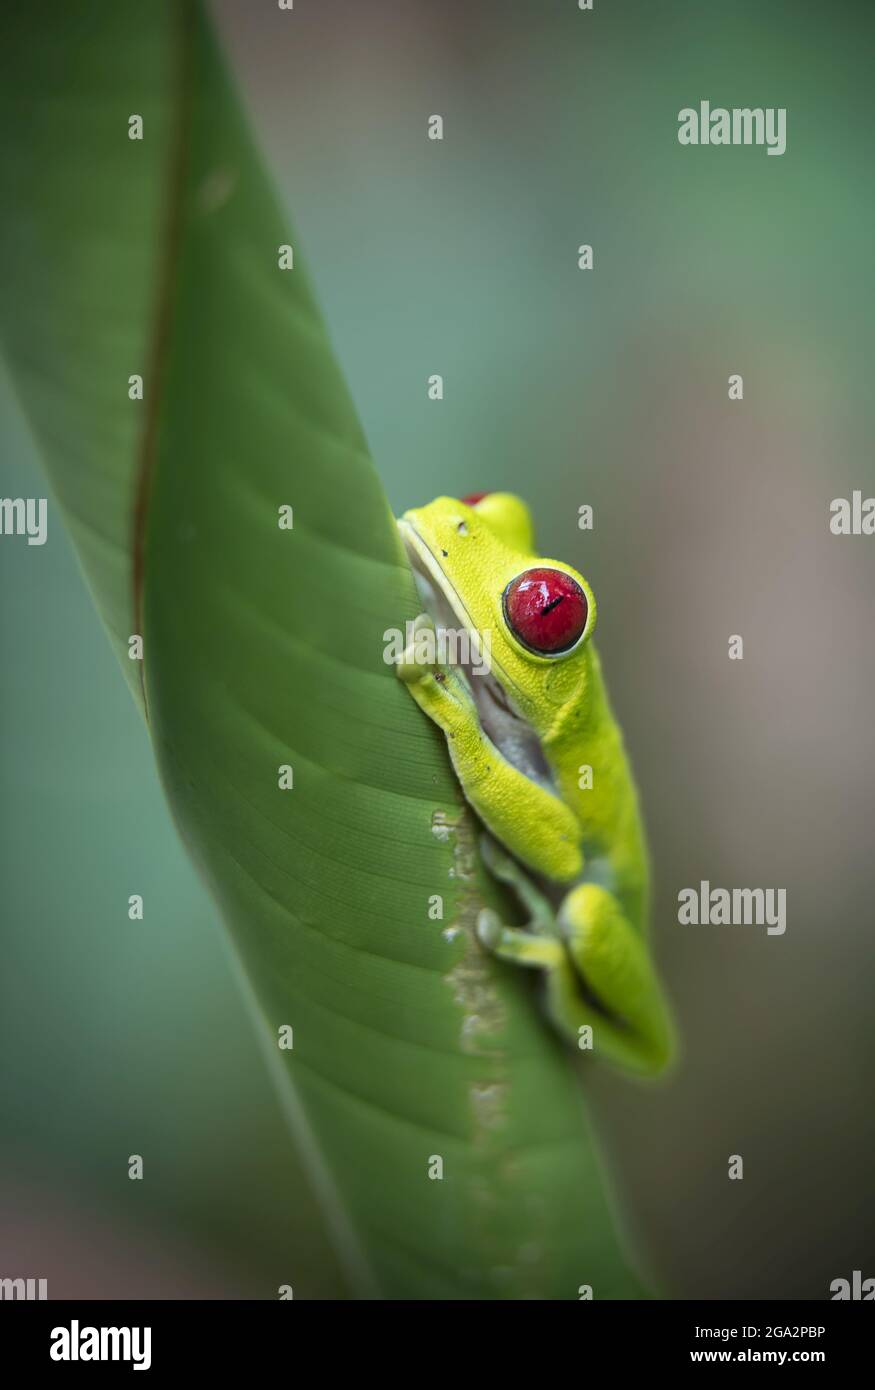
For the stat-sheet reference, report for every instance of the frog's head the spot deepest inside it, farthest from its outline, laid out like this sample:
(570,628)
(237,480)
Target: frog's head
(477,572)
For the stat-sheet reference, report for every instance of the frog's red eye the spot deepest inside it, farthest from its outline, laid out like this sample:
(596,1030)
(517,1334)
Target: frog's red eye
(473,498)
(546,610)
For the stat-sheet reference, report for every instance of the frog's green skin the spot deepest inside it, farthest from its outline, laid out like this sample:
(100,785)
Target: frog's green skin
(518,739)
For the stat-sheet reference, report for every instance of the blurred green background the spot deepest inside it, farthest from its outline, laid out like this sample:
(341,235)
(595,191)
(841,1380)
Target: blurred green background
(606,387)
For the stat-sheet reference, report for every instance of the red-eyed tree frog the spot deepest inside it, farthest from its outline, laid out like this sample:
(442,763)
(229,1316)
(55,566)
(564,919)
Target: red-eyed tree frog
(541,760)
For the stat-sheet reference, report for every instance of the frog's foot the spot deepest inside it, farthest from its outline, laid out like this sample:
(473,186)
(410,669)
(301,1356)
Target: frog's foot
(542,919)
(599,978)
(413,665)
(515,944)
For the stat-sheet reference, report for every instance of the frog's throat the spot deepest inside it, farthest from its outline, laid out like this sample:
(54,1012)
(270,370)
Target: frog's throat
(498,713)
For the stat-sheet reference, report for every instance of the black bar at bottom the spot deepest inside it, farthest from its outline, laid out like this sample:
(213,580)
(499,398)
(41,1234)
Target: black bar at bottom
(161,1338)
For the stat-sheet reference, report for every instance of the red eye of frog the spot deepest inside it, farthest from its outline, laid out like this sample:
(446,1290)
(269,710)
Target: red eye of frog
(546,610)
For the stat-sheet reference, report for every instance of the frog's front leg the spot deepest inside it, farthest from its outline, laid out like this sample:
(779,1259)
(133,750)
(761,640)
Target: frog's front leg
(535,825)
(597,967)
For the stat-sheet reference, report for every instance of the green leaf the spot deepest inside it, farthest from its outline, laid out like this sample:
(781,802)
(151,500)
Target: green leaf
(263,649)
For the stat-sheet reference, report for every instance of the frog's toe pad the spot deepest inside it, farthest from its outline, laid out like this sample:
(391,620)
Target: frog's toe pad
(410,668)
(488,928)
